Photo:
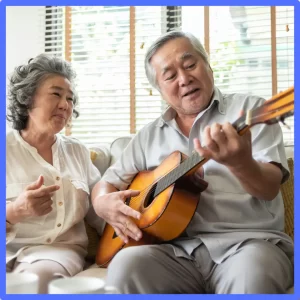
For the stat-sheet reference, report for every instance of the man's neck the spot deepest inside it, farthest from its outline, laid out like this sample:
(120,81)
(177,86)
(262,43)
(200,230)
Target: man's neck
(185,123)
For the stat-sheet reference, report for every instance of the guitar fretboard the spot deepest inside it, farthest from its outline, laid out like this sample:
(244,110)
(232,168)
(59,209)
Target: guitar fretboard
(188,164)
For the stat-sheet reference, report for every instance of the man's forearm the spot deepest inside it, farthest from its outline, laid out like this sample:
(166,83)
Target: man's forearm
(261,180)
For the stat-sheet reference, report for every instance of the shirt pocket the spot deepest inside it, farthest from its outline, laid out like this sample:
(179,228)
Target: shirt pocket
(13,190)
(80,195)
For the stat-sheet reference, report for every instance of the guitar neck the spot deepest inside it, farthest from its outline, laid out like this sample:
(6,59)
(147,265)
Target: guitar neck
(192,161)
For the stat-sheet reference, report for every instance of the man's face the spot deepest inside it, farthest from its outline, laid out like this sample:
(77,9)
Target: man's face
(184,79)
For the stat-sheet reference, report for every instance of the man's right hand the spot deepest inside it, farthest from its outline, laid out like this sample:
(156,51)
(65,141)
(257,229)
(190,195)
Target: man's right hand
(113,210)
(35,200)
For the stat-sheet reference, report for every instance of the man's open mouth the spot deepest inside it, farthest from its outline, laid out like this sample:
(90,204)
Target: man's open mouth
(191,92)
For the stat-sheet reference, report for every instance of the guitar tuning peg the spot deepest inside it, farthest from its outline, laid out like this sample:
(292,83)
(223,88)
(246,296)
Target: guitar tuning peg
(248,117)
(285,125)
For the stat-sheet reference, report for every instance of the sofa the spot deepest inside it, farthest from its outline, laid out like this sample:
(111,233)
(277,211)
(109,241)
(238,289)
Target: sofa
(105,155)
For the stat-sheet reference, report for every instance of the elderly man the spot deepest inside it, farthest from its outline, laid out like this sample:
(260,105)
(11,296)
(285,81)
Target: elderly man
(235,242)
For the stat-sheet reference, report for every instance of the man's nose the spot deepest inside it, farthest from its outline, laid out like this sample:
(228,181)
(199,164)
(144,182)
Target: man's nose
(184,78)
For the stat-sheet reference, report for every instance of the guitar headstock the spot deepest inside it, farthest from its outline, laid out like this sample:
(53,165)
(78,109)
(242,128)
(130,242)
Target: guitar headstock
(275,110)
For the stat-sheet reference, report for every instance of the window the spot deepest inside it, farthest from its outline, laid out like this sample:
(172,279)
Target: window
(252,52)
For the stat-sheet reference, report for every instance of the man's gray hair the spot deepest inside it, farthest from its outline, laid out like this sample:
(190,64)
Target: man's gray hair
(198,47)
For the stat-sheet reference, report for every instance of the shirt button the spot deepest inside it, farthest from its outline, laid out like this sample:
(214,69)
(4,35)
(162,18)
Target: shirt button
(48,241)
(57,178)
(60,203)
(58,225)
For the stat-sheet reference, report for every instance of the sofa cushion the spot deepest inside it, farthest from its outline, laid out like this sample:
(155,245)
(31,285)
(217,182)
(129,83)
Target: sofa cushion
(100,157)
(117,147)
(93,271)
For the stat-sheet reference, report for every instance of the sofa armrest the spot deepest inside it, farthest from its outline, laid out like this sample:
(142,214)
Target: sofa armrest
(287,191)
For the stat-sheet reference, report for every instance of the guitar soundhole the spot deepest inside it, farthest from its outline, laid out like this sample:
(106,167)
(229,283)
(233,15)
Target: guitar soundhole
(150,196)
(148,200)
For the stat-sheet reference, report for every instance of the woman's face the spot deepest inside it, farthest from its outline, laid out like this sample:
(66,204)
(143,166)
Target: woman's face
(52,105)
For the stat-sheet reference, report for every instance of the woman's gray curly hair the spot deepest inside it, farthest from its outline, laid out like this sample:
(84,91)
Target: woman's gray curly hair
(26,79)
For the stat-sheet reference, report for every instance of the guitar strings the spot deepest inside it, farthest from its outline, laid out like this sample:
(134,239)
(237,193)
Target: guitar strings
(152,187)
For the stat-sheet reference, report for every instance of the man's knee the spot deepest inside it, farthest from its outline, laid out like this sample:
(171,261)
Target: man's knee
(133,268)
(257,267)
(130,260)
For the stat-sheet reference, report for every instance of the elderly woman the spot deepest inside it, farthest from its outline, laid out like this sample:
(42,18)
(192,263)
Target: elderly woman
(48,176)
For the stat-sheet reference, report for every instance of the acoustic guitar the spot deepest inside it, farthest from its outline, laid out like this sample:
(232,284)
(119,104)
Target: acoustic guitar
(168,194)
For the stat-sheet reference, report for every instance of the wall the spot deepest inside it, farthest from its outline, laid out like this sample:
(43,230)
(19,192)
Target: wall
(24,35)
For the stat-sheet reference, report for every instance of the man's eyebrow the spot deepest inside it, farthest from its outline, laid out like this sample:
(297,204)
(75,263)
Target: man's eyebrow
(55,87)
(186,55)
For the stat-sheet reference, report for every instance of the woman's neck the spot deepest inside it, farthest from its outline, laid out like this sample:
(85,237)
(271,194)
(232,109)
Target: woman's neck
(39,140)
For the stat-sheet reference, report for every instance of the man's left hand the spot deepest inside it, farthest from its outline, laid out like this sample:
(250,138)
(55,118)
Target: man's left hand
(223,144)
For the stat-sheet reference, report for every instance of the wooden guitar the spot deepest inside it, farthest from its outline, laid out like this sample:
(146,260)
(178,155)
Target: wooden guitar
(169,197)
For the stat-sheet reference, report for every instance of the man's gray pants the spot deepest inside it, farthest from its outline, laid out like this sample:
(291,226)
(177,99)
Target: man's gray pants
(257,267)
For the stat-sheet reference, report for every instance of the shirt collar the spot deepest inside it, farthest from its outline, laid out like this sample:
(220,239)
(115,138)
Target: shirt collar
(28,146)
(217,98)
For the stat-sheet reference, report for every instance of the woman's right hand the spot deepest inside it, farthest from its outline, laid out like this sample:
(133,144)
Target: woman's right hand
(113,210)
(35,200)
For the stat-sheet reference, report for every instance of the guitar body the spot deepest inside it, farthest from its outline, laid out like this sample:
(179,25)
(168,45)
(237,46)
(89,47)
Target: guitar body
(164,217)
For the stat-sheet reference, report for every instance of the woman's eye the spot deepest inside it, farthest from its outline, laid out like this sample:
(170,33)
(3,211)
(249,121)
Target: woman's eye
(56,94)
(71,99)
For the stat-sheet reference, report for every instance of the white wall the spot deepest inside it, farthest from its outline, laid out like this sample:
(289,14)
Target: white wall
(24,35)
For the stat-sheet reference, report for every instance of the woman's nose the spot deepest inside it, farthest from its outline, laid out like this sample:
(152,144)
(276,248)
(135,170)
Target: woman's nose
(63,103)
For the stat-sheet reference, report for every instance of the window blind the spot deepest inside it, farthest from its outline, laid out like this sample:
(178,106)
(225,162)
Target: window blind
(107,46)
(240,49)
(54,30)
(150,23)
(285,60)
(99,52)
